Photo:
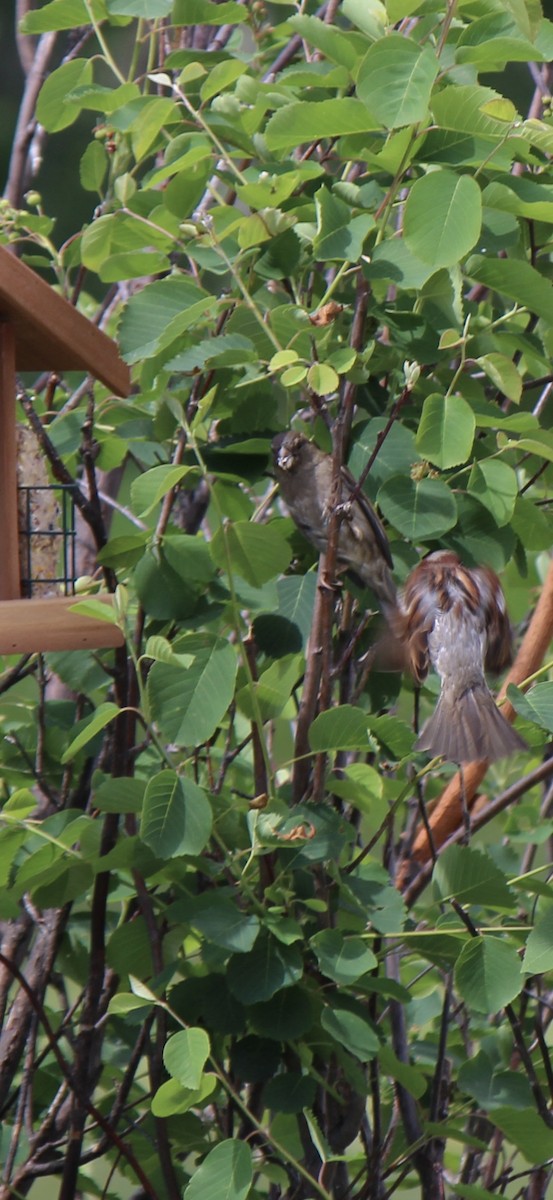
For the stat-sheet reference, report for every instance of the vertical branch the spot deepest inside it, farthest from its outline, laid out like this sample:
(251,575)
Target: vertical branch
(10,587)
(308,705)
(26,121)
(261,782)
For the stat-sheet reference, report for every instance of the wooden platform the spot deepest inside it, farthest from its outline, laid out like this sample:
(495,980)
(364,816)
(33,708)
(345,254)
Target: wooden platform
(33,626)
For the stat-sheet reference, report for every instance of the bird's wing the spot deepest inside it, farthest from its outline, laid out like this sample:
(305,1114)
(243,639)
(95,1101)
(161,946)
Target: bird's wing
(376,525)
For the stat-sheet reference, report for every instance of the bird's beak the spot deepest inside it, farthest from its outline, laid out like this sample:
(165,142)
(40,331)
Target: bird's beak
(284,459)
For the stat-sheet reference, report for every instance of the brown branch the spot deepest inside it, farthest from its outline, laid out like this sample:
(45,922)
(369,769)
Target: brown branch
(261,783)
(478,820)
(19,1018)
(302,764)
(447,815)
(37,1007)
(26,122)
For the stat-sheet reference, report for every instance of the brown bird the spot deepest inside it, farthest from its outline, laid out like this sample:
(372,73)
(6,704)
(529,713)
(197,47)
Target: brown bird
(304,474)
(455,618)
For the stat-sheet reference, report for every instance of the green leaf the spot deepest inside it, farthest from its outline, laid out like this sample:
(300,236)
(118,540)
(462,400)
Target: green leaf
(223,75)
(536,705)
(52,109)
(123,551)
(495,485)
(336,45)
(409,1078)
(289,1092)
(98,610)
(154,112)
(344,959)
(185,1055)
(446,430)
(207,12)
(393,260)
(124,1002)
(502,110)
(503,373)
(265,970)
(419,509)
(443,217)
(493,1088)
(158,308)
(256,552)
(306,121)
(118,246)
(161,588)
(341,728)
(488,974)
(527,1131)
(538,956)
(395,80)
(219,921)
(472,878)
(150,9)
(531,525)
(340,235)
(172,1098)
(226,350)
(477,538)
(517,280)
(296,597)
(396,456)
(148,489)
(292,376)
(93,167)
(176,816)
(542,448)
(362,786)
(351,1031)
(461,107)
(189,704)
(273,688)
(100,718)
(493,40)
(524,197)
(322,379)
(120,795)
(60,14)
(226,1173)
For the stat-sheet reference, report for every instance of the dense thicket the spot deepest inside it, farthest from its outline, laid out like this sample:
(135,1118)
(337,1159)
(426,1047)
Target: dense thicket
(253,942)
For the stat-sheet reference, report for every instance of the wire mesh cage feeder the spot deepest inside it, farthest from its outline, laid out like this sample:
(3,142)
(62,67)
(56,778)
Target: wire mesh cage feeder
(40,331)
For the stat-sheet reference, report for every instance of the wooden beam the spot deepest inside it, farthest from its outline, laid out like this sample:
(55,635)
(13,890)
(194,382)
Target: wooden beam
(51,335)
(34,626)
(10,586)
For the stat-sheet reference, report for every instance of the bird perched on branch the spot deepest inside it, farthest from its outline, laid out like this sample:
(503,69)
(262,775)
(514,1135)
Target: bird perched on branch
(455,618)
(305,477)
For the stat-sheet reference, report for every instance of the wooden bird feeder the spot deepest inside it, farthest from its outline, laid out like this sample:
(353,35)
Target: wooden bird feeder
(40,331)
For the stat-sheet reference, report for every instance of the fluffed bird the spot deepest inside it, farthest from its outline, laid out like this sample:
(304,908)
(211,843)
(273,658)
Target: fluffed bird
(304,474)
(455,618)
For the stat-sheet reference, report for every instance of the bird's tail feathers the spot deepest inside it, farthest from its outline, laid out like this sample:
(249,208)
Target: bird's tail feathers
(468,728)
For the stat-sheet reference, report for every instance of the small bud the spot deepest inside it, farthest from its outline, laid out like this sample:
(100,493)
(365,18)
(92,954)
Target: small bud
(85,583)
(33,199)
(411,372)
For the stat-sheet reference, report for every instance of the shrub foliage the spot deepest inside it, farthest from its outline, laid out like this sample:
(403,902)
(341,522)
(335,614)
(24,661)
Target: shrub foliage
(253,943)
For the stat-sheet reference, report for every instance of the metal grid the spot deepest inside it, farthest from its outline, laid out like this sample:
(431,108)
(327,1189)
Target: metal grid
(54,545)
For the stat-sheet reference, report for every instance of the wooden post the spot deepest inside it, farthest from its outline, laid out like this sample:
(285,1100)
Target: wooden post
(10,587)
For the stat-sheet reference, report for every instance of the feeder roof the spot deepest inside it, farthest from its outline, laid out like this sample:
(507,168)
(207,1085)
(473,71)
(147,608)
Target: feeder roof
(51,335)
